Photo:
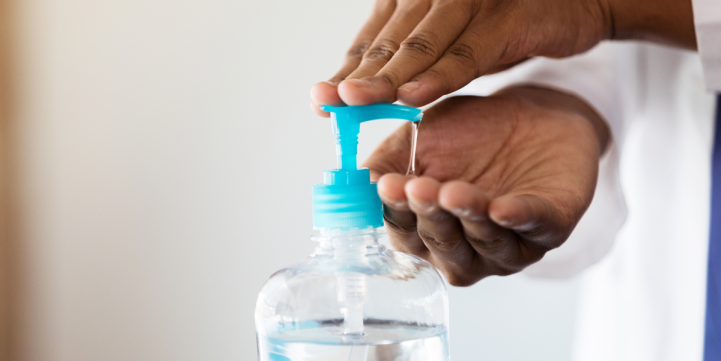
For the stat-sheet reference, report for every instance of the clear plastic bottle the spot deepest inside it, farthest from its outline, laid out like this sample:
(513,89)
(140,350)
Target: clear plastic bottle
(306,312)
(353,299)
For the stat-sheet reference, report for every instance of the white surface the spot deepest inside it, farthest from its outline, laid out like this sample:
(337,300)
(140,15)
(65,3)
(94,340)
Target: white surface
(167,153)
(645,300)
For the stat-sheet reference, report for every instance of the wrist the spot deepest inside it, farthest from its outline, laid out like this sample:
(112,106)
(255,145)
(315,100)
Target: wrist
(667,22)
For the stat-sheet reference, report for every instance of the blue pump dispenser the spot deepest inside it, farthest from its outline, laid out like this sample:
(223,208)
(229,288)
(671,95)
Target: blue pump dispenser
(347,198)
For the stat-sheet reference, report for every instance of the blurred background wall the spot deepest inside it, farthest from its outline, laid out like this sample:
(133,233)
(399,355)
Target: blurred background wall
(6,203)
(156,163)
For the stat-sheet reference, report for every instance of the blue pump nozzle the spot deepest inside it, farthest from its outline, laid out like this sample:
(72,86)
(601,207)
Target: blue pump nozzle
(347,199)
(346,126)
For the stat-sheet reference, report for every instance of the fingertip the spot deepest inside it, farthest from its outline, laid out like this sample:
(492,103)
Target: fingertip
(325,93)
(369,90)
(318,111)
(463,199)
(391,190)
(423,191)
(508,211)
(455,194)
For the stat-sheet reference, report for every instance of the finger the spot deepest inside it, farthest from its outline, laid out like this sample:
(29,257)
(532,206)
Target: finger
(503,67)
(490,240)
(382,13)
(386,44)
(479,49)
(318,111)
(417,52)
(533,217)
(400,221)
(441,232)
(383,49)
(391,189)
(326,93)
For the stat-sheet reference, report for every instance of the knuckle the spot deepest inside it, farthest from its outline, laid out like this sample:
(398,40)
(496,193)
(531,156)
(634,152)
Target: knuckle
(384,50)
(389,78)
(423,43)
(528,254)
(398,228)
(435,242)
(497,248)
(463,54)
(488,246)
(358,49)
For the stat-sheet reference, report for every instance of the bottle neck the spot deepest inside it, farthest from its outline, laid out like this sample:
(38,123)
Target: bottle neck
(348,244)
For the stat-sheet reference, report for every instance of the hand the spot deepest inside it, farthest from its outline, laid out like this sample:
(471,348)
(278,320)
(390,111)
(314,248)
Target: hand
(416,51)
(503,180)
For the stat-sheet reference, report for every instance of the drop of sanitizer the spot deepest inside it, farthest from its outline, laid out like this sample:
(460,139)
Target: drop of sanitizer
(414,143)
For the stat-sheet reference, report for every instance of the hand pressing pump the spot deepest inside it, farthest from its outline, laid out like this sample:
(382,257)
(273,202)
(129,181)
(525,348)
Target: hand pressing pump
(353,299)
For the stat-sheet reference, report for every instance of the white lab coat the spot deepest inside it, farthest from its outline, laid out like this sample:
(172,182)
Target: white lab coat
(642,246)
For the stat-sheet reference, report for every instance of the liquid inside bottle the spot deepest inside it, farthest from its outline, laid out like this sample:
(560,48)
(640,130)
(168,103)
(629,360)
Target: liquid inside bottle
(354,300)
(414,143)
(381,342)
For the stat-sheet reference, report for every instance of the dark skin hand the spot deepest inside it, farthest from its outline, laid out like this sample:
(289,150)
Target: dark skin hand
(502,180)
(506,178)
(416,51)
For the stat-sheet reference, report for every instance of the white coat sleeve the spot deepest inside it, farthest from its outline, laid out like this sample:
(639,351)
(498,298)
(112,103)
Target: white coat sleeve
(592,77)
(707,20)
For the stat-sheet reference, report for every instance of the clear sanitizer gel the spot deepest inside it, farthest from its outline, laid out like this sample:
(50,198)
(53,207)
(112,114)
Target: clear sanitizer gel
(353,299)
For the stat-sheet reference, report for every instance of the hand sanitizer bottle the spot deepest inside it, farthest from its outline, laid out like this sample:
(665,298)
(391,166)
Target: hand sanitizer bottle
(353,299)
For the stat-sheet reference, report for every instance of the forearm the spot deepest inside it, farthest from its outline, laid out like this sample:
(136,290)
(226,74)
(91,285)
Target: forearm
(663,21)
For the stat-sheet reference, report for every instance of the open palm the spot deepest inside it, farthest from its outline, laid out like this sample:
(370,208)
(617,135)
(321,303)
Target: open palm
(502,180)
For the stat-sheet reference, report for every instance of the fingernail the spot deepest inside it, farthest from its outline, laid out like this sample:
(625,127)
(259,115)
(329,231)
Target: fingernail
(425,207)
(507,223)
(399,205)
(361,83)
(332,83)
(467,214)
(410,86)
(461,212)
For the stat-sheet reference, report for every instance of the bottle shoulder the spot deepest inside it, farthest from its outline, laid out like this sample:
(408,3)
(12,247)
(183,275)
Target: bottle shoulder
(391,276)
(383,264)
